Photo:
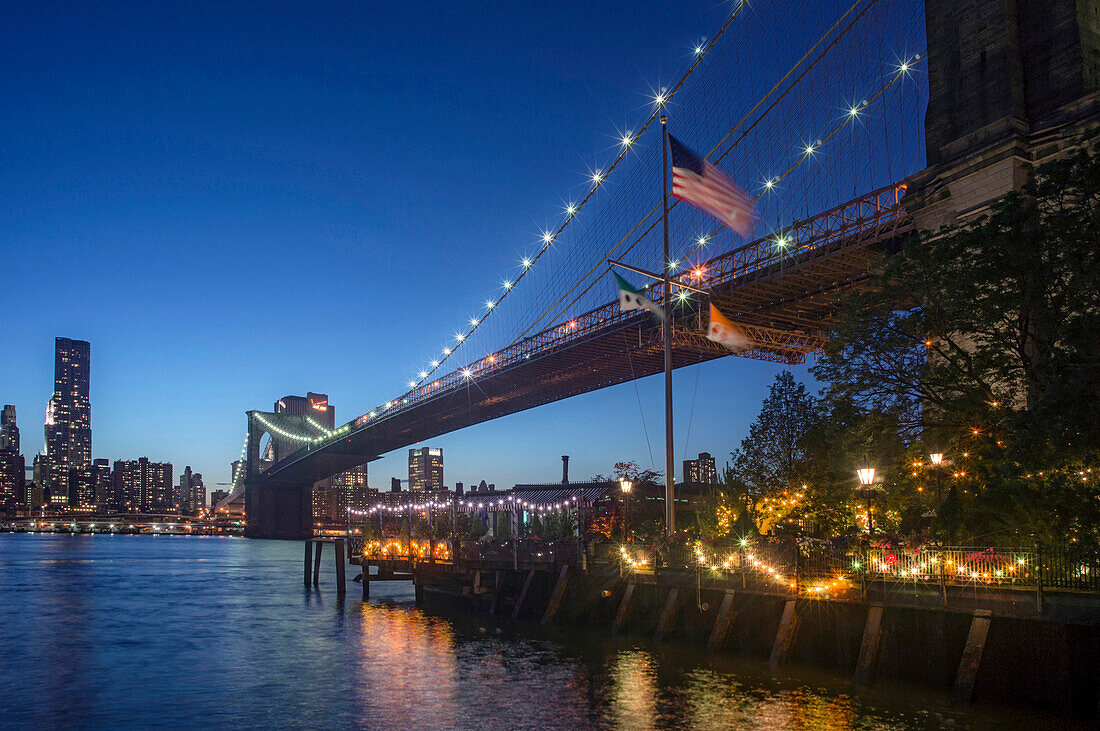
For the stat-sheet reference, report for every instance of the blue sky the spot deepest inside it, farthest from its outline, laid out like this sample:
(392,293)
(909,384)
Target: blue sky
(234,204)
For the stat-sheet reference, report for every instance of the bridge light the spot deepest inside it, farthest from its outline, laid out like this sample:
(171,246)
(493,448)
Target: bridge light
(446,351)
(682,295)
(490,304)
(660,97)
(467,373)
(459,337)
(769,183)
(412,384)
(699,50)
(627,139)
(473,321)
(526,263)
(810,149)
(547,237)
(507,284)
(853,111)
(571,208)
(702,241)
(597,176)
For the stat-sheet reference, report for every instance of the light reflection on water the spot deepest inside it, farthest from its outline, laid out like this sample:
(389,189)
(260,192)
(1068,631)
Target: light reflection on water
(158,631)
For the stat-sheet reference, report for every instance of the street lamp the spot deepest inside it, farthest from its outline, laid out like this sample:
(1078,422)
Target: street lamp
(937,459)
(866,483)
(625,485)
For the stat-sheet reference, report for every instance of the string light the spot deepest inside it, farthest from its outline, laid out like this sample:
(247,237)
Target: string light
(661,98)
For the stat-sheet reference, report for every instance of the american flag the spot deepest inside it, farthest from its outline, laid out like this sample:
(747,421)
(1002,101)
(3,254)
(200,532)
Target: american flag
(704,186)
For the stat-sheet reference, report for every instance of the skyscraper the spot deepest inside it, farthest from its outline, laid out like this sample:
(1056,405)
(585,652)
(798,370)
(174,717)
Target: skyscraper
(12,480)
(700,471)
(191,495)
(9,432)
(143,486)
(12,468)
(68,415)
(425,469)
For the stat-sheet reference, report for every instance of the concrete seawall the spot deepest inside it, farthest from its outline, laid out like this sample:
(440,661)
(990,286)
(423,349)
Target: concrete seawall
(1050,662)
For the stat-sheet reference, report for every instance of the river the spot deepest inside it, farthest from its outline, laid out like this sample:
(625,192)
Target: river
(162,631)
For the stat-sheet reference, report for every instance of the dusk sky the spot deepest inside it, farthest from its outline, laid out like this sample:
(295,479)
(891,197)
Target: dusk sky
(235,204)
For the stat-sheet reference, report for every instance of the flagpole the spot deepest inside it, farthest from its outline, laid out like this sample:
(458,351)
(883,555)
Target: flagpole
(666,287)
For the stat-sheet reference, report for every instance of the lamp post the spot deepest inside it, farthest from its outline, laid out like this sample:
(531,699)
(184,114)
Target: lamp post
(936,460)
(625,485)
(866,483)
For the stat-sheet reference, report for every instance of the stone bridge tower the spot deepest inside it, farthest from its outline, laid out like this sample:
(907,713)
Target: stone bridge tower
(1012,84)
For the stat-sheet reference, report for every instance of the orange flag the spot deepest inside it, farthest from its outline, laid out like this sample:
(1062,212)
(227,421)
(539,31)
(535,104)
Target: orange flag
(726,333)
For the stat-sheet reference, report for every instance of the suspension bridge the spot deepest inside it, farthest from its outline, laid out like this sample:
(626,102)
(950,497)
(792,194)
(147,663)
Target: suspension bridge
(852,124)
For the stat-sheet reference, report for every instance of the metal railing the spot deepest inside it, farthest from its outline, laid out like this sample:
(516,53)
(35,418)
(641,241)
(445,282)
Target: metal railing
(781,562)
(1037,567)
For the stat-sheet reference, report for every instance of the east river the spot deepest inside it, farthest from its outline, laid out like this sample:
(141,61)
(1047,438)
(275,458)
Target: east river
(160,631)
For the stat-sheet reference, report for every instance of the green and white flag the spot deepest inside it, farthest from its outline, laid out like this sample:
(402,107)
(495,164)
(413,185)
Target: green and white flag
(632,299)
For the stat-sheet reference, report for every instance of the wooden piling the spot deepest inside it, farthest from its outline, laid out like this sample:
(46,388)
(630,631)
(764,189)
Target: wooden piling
(868,649)
(972,656)
(316,561)
(341,587)
(786,636)
(523,593)
(722,623)
(668,613)
(309,555)
(624,609)
(366,581)
(556,596)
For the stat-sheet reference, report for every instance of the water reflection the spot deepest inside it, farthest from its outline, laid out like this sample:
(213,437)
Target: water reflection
(633,696)
(135,631)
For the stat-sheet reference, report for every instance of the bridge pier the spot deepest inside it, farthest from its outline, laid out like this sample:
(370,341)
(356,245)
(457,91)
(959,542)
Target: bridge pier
(279,512)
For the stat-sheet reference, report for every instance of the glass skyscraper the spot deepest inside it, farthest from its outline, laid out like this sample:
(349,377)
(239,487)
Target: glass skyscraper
(68,415)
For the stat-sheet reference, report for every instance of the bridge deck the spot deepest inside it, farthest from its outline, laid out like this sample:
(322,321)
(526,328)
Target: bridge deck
(783,289)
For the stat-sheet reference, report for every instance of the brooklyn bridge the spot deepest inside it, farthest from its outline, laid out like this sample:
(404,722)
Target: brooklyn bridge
(882,121)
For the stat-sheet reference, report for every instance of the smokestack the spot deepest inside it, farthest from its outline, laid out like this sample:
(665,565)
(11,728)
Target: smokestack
(565,469)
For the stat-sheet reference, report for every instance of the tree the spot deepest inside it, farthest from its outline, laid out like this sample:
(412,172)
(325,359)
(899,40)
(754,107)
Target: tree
(629,470)
(477,528)
(772,464)
(983,342)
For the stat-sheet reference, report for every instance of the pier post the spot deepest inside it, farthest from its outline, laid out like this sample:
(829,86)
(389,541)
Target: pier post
(366,581)
(624,609)
(341,587)
(664,624)
(786,636)
(557,596)
(309,555)
(316,561)
(972,656)
(868,649)
(523,593)
(722,623)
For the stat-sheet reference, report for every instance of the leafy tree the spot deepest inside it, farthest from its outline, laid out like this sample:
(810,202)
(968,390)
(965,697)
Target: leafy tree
(477,528)
(629,470)
(772,463)
(983,342)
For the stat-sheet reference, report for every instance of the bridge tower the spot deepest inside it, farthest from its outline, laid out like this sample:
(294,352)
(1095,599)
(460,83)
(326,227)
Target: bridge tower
(275,510)
(1012,84)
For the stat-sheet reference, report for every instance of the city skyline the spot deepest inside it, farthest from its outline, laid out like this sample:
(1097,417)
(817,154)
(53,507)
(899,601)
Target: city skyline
(175,374)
